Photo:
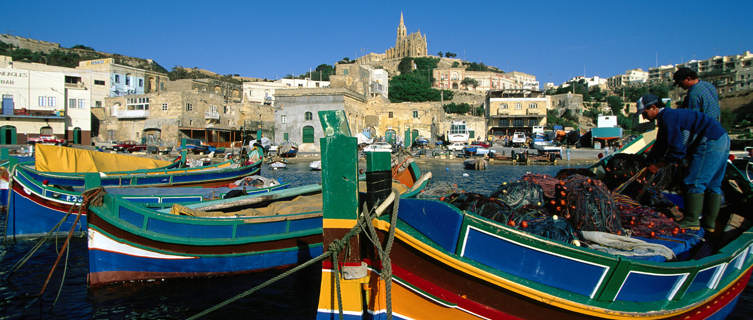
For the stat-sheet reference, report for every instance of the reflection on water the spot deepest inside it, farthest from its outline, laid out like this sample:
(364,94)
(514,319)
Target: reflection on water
(292,298)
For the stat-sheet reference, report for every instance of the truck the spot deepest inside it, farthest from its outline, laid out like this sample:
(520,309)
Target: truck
(518,139)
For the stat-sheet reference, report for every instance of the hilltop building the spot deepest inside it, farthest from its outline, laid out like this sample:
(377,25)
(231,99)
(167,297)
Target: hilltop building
(125,80)
(630,77)
(407,45)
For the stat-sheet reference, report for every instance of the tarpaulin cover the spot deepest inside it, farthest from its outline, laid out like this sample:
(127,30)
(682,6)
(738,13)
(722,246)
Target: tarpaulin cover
(51,158)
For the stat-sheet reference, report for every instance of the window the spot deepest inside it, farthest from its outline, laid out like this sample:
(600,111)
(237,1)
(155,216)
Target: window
(533,122)
(42,101)
(533,106)
(309,115)
(504,122)
(518,122)
(518,106)
(117,78)
(127,80)
(98,104)
(389,115)
(99,82)
(71,103)
(224,109)
(285,136)
(415,114)
(283,119)
(345,72)
(189,107)
(162,86)
(141,83)
(190,123)
(307,134)
(504,106)
(164,107)
(51,102)
(46,131)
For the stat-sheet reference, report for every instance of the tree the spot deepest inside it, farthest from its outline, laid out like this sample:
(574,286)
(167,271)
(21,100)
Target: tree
(440,53)
(405,65)
(615,104)
(450,54)
(469,82)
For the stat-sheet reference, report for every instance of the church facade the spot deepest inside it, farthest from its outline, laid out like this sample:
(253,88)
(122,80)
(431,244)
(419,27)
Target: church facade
(407,45)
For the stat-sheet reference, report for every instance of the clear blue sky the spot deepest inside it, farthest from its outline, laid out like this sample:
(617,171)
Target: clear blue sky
(552,40)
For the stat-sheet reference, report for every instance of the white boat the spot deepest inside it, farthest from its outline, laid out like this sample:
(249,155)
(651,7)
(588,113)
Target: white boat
(278,165)
(316,165)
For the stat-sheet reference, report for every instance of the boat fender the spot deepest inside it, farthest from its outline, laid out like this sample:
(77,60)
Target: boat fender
(355,272)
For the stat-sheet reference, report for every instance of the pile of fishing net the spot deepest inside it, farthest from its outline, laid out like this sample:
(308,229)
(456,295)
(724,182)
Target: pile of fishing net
(519,205)
(643,221)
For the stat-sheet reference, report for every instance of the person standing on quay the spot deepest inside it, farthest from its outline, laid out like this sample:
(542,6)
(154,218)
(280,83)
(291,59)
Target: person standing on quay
(701,96)
(706,148)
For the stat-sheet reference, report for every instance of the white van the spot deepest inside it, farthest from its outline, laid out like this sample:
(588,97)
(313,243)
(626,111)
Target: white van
(518,138)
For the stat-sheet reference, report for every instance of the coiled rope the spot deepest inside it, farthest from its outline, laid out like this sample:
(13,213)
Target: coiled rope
(363,223)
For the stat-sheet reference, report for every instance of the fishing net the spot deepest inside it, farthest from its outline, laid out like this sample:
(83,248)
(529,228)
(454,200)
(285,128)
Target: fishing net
(546,182)
(644,221)
(588,204)
(519,194)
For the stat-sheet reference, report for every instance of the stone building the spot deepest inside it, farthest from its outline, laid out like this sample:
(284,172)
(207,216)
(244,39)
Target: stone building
(391,121)
(363,79)
(125,80)
(567,102)
(452,78)
(630,77)
(509,111)
(296,114)
(407,45)
(38,99)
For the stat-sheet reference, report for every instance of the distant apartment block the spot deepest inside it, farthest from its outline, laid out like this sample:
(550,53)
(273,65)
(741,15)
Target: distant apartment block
(629,78)
(453,78)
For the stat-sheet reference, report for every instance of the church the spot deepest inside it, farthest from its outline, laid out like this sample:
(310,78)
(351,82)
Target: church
(407,45)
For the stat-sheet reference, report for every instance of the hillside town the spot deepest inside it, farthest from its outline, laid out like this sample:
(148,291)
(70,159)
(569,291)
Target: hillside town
(114,98)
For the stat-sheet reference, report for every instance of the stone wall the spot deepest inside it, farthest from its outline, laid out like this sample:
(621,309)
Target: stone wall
(31,44)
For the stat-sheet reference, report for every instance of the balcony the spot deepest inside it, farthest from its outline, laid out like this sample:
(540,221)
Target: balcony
(212,115)
(130,114)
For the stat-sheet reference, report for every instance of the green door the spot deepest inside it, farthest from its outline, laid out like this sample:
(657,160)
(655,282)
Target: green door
(390,135)
(284,136)
(8,135)
(308,134)
(76,135)
(414,135)
(471,134)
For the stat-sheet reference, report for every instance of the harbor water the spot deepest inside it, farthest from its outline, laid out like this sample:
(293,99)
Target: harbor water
(294,297)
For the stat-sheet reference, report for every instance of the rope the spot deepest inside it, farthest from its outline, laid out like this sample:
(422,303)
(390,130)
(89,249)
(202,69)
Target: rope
(11,174)
(332,251)
(60,255)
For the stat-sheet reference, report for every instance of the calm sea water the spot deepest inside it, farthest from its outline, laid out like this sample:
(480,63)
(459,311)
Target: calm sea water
(292,298)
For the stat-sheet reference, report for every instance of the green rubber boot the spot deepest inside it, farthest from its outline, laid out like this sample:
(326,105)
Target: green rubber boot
(693,208)
(711,204)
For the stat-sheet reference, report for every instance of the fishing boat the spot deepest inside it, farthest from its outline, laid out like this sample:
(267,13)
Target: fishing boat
(39,207)
(447,263)
(244,234)
(129,242)
(70,166)
(316,165)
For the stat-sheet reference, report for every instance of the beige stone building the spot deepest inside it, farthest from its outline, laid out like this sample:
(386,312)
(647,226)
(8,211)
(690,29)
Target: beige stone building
(391,121)
(363,79)
(452,78)
(511,111)
(407,45)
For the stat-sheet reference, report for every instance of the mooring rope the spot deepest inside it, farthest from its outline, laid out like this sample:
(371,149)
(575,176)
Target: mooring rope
(11,173)
(335,247)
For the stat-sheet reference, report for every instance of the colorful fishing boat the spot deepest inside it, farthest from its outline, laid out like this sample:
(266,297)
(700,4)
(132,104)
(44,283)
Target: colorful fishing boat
(131,242)
(447,263)
(205,176)
(244,234)
(37,206)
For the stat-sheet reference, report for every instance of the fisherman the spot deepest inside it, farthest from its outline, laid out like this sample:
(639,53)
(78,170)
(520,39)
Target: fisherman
(696,137)
(701,95)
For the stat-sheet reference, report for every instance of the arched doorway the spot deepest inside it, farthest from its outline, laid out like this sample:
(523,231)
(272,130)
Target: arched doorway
(390,135)
(45,131)
(308,134)
(76,135)
(8,135)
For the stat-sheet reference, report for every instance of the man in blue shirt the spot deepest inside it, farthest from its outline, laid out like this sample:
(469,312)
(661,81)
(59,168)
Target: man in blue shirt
(702,96)
(694,136)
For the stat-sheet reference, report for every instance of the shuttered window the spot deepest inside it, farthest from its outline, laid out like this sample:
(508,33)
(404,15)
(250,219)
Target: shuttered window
(308,134)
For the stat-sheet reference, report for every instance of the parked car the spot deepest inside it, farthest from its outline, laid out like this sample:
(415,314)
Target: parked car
(456,146)
(106,145)
(46,139)
(129,146)
(481,144)
(518,139)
